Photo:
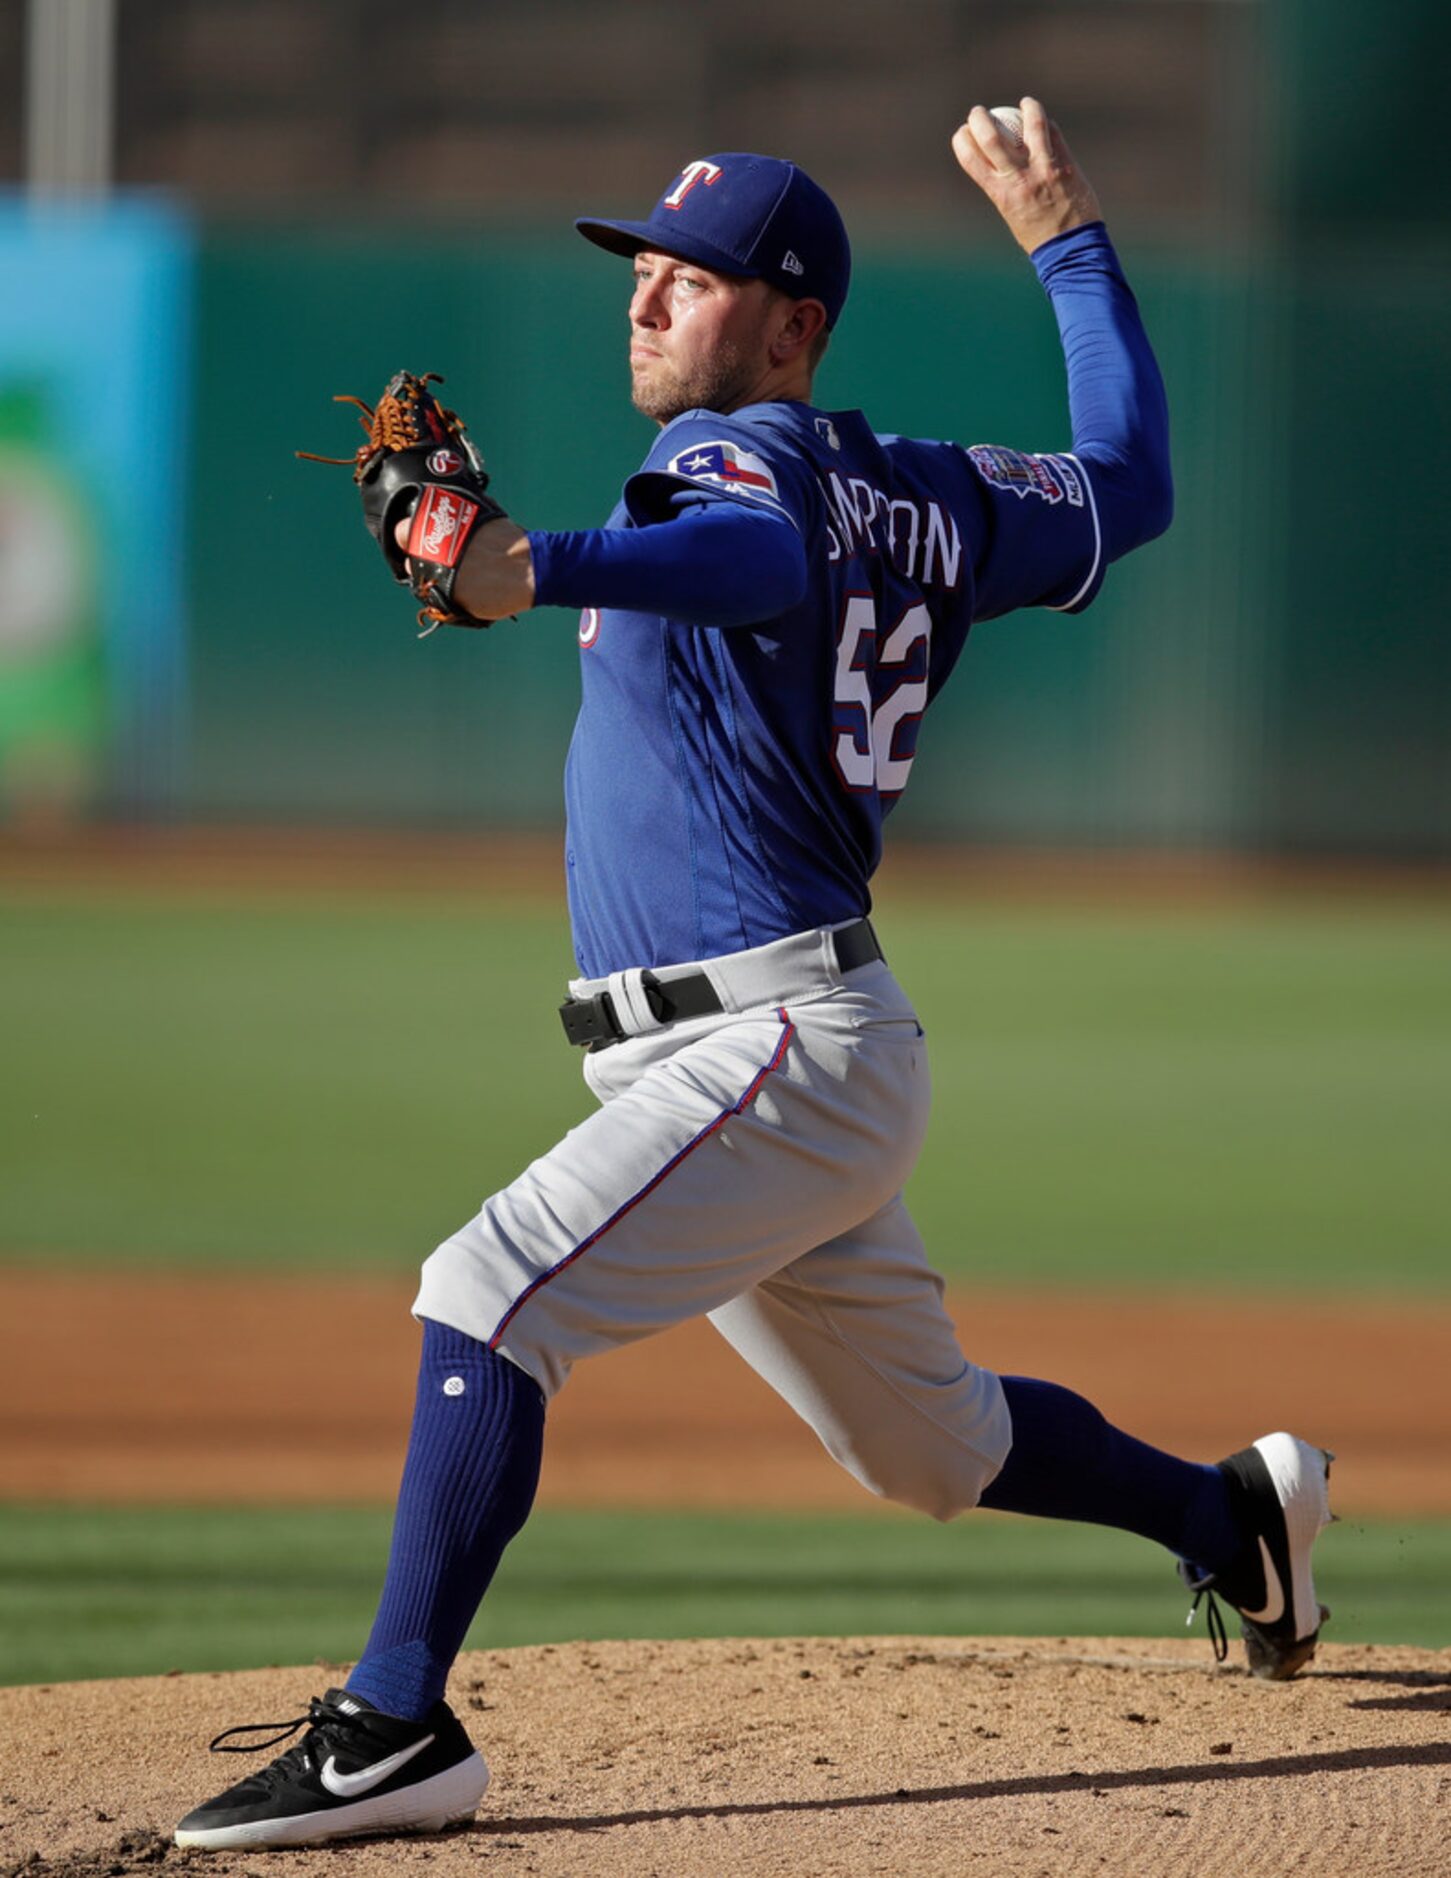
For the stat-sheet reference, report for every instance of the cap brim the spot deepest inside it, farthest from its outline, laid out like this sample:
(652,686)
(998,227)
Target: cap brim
(630,237)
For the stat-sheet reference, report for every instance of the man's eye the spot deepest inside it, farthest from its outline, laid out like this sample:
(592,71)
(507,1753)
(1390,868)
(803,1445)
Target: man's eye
(689,282)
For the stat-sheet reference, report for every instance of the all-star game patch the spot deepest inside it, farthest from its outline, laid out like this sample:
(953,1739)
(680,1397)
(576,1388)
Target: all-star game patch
(729,465)
(1052,478)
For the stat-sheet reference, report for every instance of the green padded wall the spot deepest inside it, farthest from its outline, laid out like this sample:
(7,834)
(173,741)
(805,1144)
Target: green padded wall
(1275,673)
(313,698)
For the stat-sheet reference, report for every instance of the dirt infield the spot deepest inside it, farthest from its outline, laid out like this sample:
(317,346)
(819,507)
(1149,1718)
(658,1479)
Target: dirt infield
(816,1759)
(147,1387)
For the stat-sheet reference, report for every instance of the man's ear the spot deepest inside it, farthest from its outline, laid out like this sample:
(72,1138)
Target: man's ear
(807,319)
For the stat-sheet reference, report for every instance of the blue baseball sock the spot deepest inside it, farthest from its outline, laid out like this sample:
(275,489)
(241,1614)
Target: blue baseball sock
(1067,1462)
(468,1484)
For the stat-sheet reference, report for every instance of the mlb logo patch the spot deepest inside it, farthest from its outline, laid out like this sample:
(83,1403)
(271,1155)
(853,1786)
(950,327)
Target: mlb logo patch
(729,465)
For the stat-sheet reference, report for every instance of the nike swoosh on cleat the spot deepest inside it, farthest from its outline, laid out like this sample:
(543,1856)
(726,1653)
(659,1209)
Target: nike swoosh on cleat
(349,1786)
(1274,1594)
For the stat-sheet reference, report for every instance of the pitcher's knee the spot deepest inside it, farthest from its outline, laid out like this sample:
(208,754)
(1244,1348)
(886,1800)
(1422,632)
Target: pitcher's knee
(474,1283)
(942,1490)
(935,1468)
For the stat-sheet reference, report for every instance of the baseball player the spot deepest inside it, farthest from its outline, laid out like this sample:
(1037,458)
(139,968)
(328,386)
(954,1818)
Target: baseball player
(765,618)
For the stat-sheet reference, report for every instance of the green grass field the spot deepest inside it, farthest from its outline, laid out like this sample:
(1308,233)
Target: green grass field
(1248,1097)
(1251,1095)
(88,1592)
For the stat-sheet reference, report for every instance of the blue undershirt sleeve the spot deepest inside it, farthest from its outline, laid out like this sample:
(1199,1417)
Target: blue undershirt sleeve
(1115,393)
(712,563)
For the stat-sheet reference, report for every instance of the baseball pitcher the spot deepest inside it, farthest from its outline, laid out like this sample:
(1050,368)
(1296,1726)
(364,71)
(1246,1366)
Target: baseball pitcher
(764,621)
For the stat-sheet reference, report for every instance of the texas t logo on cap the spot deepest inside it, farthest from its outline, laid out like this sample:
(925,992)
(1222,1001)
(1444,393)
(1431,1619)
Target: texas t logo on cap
(700,171)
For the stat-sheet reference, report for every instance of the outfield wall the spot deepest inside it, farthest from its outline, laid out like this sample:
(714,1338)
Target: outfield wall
(1271,673)
(1274,674)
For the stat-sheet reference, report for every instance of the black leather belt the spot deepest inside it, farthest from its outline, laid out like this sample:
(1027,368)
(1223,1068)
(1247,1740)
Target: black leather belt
(593,1020)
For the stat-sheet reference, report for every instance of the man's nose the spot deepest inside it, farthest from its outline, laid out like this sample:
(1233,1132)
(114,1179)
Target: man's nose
(647,308)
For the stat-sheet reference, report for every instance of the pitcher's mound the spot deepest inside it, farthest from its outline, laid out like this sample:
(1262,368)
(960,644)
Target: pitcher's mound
(808,1757)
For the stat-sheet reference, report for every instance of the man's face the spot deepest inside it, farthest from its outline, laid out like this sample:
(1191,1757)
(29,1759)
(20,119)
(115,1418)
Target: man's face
(697,338)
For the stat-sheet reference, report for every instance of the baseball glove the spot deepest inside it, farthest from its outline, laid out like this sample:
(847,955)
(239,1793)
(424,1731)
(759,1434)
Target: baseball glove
(418,460)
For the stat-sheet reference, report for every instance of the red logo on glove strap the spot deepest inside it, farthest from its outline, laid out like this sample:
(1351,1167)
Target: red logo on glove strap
(441,525)
(445,462)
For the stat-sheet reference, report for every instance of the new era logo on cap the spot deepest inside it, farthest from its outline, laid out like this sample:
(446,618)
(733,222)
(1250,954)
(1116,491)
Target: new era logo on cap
(757,217)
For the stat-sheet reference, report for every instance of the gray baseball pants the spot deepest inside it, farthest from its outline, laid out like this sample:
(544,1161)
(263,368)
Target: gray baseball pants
(748,1166)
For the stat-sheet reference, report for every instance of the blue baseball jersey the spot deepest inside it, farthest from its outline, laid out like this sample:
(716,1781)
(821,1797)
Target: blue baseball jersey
(728,785)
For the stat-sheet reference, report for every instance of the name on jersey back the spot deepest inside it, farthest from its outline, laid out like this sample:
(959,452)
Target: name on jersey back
(921,539)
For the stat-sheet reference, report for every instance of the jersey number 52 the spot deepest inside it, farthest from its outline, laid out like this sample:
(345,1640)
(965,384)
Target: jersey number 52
(879,696)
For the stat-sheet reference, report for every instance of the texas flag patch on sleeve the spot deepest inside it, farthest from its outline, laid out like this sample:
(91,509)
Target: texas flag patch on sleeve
(728,465)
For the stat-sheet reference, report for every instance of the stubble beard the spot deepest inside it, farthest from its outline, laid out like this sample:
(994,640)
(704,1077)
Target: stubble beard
(718,383)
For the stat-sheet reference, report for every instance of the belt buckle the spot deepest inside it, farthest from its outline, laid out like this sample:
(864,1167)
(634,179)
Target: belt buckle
(592,1021)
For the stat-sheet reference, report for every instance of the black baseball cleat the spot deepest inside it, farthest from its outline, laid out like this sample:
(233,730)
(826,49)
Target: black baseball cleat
(1280,1492)
(356,1770)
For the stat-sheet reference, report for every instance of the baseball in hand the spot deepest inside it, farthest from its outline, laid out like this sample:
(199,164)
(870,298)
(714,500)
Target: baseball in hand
(1009,120)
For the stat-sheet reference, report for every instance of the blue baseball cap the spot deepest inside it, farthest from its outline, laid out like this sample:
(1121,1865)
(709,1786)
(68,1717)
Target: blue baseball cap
(757,217)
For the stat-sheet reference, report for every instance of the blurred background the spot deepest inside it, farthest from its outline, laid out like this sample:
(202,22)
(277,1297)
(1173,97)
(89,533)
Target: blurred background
(279,924)
(221,214)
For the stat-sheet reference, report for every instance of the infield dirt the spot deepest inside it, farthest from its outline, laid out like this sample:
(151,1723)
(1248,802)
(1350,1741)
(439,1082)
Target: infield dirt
(929,1757)
(116,1387)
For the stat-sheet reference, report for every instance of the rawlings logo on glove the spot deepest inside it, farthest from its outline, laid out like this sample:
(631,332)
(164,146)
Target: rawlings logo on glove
(442,523)
(419,461)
